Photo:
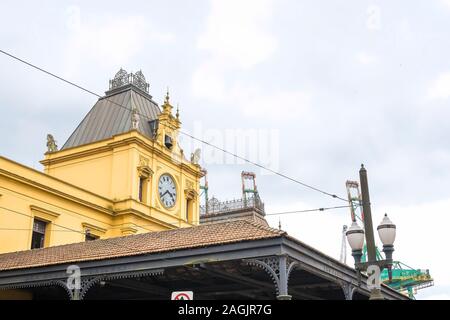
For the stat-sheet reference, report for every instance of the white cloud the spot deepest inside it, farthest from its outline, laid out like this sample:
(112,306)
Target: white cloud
(373,20)
(423,237)
(440,88)
(208,81)
(108,41)
(251,101)
(235,39)
(277,104)
(235,32)
(443,296)
(446,3)
(321,230)
(365,58)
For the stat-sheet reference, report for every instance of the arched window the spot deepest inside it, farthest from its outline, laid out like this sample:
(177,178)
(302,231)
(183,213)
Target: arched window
(144,173)
(191,196)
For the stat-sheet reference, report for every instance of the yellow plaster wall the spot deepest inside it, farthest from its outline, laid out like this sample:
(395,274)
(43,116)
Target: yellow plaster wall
(113,171)
(21,202)
(92,173)
(92,187)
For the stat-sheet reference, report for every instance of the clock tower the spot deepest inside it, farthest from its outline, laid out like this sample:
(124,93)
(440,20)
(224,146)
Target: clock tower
(126,150)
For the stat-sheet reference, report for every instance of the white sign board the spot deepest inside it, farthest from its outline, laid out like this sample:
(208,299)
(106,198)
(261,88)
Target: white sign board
(182,295)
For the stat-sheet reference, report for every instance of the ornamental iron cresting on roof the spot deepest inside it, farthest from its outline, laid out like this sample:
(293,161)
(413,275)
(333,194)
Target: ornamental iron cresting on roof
(123,78)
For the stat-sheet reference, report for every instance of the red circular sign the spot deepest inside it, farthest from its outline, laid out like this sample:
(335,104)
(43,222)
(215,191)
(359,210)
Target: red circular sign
(181,296)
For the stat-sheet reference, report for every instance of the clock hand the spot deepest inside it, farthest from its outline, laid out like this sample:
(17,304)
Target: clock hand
(170,194)
(167,191)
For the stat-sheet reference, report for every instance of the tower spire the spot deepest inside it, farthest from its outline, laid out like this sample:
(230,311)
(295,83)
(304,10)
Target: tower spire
(166,100)
(167,107)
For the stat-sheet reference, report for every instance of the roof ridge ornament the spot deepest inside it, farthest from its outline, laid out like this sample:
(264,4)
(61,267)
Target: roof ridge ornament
(122,78)
(139,81)
(167,107)
(166,98)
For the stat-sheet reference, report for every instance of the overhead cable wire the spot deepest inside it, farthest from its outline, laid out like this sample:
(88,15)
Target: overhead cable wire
(184,133)
(132,249)
(307,210)
(169,223)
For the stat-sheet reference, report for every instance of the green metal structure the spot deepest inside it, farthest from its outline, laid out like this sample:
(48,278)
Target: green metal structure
(404,279)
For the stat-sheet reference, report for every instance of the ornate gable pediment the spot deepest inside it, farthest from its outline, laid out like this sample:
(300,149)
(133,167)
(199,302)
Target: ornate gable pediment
(190,194)
(143,168)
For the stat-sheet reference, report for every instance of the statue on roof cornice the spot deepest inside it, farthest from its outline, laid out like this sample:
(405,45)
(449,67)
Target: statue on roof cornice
(134,119)
(51,144)
(195,156)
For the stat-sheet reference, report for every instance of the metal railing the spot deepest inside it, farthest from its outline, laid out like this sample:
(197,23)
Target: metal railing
(123,78)
(215,206)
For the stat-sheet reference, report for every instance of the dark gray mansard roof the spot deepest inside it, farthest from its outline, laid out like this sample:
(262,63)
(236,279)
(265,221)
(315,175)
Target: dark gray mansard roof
(112,114)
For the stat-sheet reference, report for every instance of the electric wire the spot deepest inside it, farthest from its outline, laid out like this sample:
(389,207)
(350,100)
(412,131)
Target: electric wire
(182,132)
(307,210)
(132,249)
(174,223)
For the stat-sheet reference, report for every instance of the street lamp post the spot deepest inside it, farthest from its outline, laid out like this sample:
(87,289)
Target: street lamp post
(355,237)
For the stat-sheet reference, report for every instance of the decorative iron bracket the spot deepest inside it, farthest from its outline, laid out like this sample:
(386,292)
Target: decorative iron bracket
(279,269)
(89,282)
(348,290)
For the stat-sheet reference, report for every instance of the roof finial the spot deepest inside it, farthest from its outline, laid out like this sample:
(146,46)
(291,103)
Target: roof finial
(178,112)
(167,108)
(279,223)
(167,96)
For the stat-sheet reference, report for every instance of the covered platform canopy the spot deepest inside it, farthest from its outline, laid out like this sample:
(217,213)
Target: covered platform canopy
(226,260)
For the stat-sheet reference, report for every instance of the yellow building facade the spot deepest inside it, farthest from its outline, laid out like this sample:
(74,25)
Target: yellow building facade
(121,172)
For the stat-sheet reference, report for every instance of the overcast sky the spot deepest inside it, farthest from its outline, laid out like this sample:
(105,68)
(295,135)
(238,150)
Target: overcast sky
(317,87)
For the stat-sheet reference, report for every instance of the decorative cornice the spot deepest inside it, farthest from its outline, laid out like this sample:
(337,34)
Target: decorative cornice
(190,194)
(150,218)
(137,139)
(143,168)
(93,227)
(57,192)
(50,213)
(128,230)
(80,154)
(145,172)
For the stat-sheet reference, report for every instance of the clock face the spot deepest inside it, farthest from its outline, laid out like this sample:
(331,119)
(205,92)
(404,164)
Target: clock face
(167,191)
